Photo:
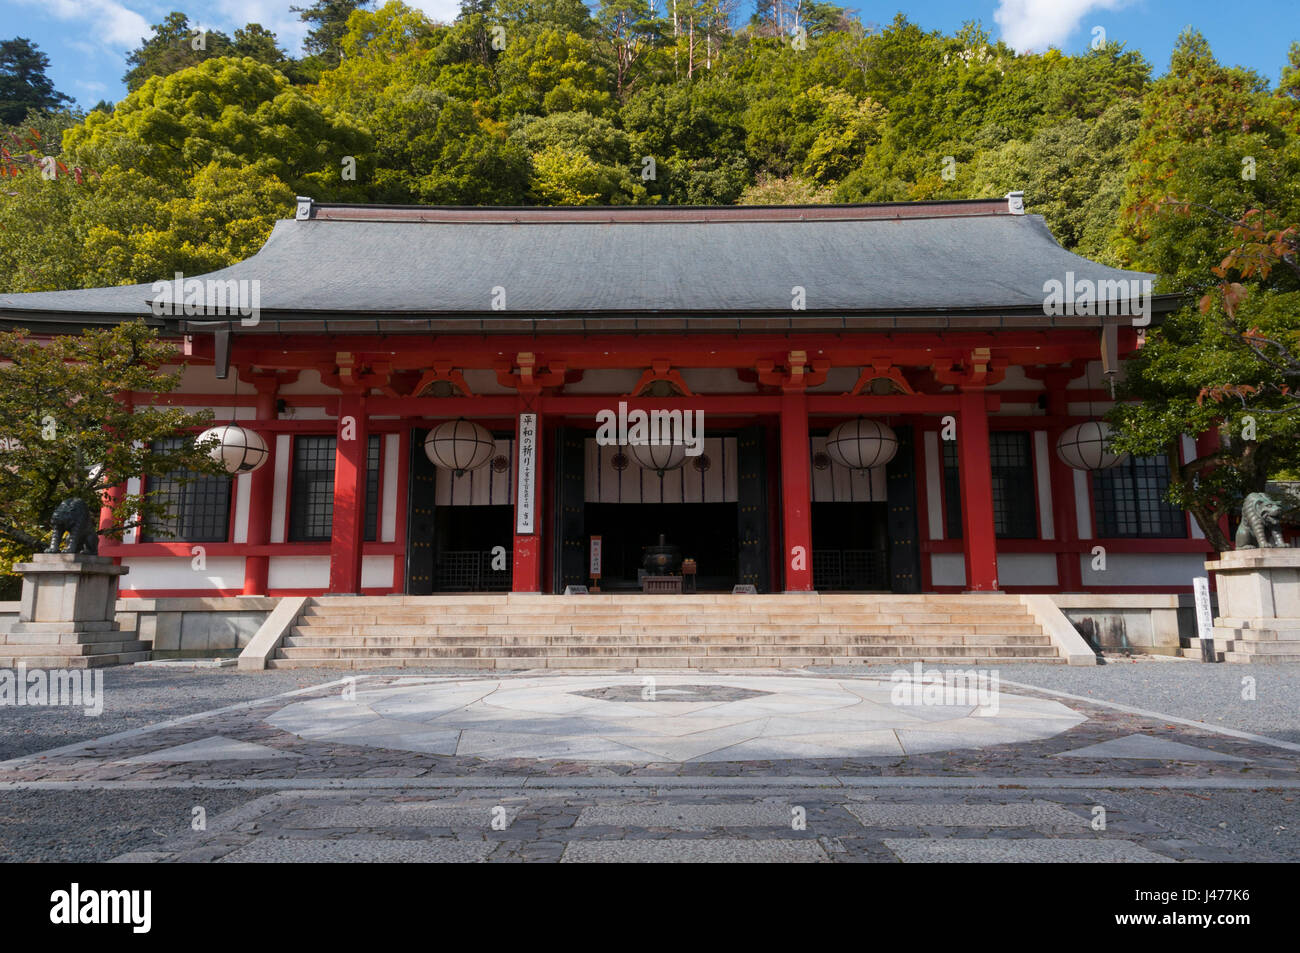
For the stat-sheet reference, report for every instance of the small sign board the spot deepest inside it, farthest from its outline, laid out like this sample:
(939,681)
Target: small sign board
(524,499)
(575,590)
(595,558)
(745,590)
(1204,618)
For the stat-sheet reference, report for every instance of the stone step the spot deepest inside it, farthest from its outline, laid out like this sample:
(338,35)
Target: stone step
(627,663)
(309,638)
(74,661)
(72,649)
(648,651)
(758,632)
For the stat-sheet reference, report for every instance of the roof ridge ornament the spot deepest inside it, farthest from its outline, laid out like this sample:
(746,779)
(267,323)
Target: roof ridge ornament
(303,212)
(1016,203)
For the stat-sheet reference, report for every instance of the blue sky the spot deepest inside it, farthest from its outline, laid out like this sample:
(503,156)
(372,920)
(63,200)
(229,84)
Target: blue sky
(87,40)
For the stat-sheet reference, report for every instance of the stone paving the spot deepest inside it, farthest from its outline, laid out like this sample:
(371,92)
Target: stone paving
(783,767)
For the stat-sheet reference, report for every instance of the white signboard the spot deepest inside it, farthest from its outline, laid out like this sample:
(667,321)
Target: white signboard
(524,502)
(1204,616)
(595,557)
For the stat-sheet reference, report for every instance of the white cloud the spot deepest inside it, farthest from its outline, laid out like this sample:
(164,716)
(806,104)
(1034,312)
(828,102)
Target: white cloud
(110,23)
(1039,24)
(440,11)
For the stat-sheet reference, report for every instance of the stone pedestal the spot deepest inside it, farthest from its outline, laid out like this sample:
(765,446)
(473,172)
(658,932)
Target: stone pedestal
(66,617)
(1259,605)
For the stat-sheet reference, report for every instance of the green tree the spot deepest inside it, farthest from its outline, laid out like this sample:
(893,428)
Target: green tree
(174,46)
(329,19)
(24,87)
(66,433)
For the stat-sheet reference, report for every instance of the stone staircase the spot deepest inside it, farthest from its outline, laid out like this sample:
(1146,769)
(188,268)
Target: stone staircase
(633,631)
(62,650)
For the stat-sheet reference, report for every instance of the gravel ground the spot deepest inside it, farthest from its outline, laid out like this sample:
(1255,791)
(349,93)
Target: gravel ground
(35,825)
(1188,689)
(135,697)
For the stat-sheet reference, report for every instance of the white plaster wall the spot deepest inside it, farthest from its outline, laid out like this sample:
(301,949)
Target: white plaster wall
(377,571)
(718,380)
(933,491)
(1082,504)
(178,572)
(1026,569)
(388,483)
(299,572)
(313,572)
(1144,569)
(1043,480)
(280,492)
(243,493)
(948,569)
(604,381)
(308,382)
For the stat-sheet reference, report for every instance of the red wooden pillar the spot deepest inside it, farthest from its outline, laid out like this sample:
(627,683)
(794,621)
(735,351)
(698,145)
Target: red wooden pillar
(113,495)
(526,563)
(1065,514)
(976,473)
(796,492)
(349,496)
(261,492)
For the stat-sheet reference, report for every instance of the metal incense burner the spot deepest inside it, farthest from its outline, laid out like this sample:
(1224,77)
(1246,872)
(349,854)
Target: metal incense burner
(662,560)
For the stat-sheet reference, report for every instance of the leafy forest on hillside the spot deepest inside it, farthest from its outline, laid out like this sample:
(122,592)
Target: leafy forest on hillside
(1191,171)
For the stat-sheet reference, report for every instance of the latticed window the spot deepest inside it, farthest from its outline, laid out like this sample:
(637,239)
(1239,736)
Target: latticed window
(198,506)
(1011,461)
(1129,500)
(311,511)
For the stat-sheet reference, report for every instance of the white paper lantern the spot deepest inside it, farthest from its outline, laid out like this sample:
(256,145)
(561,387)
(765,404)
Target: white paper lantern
(1086,446)
(862,444)
(659,457)
(459,445)
(237,449)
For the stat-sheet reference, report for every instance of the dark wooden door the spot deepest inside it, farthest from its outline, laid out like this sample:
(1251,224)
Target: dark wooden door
(904,547)
(570,501)
(420,554)
(751,513)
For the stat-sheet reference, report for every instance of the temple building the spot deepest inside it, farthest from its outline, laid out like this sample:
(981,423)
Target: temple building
(895,398)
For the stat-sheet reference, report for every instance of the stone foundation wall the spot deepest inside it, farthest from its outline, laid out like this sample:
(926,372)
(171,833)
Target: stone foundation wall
(195,628)
(1152,624)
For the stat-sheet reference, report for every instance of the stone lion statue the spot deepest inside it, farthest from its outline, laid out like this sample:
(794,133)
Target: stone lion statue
(72,519)
(1261,526)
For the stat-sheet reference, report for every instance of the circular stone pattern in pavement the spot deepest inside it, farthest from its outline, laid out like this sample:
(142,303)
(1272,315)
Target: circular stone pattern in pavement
(644,719)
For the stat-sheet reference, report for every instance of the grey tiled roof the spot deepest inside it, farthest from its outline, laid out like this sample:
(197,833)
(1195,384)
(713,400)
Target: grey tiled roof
(859,260)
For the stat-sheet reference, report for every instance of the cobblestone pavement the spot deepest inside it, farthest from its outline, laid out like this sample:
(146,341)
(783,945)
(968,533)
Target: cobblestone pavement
(1118,785)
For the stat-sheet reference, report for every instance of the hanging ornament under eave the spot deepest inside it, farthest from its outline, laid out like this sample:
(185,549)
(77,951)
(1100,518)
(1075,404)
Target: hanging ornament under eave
(659,457)
(459,446)
(1086,446)
(236,448)
(861,444)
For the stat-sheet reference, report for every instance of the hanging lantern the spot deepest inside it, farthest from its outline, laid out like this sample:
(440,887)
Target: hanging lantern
(1086,446)
(861,444)
(236,448)
(659,457)
(459,445)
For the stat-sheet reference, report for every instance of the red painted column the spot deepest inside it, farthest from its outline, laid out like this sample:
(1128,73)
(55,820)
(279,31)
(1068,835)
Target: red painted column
(796,492)
(1065,514)
(261,493)
(526,563)
(976,474)
(349,496)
